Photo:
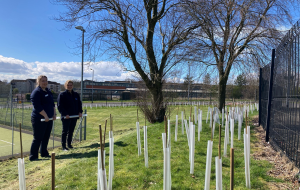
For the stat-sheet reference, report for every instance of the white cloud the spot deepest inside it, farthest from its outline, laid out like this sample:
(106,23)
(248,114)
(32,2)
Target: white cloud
(12,68)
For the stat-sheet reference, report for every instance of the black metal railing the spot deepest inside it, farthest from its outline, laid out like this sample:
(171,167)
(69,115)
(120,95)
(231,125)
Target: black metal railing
(283,109)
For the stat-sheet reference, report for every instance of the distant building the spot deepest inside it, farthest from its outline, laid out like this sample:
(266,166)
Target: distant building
(54,86)
(21,85)
(108,87)
(28,85)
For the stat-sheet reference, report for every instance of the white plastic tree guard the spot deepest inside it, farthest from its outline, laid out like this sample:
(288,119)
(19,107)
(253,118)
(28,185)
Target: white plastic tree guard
(176,128)
(102,181)
(167,164)
(182,123)
(192,148)
(208,111)
(218,162)
(199,123)
(213,131)
(145,146)
(247,156)
(169,134)
(208,165)
(111,160)
(187,132)
(138,138)
(240,121)
(21,169)
(226,137)
(195,114)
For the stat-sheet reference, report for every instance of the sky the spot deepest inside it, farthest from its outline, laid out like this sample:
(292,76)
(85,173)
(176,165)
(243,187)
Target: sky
(33,43)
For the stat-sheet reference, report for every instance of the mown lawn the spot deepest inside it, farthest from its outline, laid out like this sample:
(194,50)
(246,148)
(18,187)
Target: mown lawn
(77,169)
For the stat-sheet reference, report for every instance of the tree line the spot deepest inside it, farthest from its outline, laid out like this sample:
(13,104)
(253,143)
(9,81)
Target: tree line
(153,38)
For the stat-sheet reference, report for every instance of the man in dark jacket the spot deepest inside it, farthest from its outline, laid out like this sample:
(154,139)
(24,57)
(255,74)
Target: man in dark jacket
(68,103)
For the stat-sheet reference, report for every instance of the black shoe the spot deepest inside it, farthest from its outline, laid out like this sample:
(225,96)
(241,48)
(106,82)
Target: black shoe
(46,156)
(33,159)
(70,146)
(65,148)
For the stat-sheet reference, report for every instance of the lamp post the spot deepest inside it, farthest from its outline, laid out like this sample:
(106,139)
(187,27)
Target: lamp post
(81,28)
(93,86)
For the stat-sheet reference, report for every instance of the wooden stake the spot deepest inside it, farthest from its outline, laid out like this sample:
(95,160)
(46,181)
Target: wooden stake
(137,115)
(101,147)
(100,135)
(21,141)
(110,122)
(169,113)
(104,134)
(53,170)
(219,141)
(231,168)
(177,110)
(166,130)
(191,112)
(145,119)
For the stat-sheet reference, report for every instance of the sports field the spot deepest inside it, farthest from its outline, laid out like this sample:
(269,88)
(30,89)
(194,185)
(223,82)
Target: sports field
(6,142)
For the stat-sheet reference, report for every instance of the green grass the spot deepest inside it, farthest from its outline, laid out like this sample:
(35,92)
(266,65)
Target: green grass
(77,169)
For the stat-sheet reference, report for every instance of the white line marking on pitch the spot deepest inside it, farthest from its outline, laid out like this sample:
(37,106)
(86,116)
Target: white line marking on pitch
(4,145)
(6,142)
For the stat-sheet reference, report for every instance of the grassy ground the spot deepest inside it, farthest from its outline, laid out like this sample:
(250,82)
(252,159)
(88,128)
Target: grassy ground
(6,142)
(77,169)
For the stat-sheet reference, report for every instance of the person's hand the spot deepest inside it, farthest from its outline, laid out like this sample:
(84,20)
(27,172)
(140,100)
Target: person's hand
(46,118)
(54,117)
(80,114)
(67,117)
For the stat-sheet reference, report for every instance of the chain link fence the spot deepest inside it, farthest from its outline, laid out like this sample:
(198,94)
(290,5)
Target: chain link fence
(15,112)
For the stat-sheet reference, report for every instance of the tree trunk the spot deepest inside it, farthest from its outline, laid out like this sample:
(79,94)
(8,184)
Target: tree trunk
(222,92)
(158,103)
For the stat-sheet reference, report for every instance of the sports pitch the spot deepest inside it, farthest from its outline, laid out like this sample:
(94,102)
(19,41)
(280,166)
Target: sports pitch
(6,142)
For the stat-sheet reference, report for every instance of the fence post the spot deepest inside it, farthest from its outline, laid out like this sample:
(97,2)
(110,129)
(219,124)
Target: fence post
(270,95)
(259,97)
(84,138)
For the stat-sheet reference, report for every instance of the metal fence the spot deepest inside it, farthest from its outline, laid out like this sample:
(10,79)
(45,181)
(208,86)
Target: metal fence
(15,111)
(279,98)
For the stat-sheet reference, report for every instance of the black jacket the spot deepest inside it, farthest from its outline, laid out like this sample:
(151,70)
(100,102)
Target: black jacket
(42,100)
(69,103)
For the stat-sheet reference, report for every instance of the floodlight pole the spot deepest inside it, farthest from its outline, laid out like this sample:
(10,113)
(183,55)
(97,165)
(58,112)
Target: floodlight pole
(81,28)
(189,83)
(92,86)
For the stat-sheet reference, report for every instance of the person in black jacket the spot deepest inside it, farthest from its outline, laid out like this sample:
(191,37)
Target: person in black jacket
(43,108)
(68,103)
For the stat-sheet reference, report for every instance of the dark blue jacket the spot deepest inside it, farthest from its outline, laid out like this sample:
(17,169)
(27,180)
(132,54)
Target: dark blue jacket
(42,100)
(69,103)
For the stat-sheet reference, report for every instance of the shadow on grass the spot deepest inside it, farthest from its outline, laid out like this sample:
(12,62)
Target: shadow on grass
(97,145)
(78,155)
(91,153)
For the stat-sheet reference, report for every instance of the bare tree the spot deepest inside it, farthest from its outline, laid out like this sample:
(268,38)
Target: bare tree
(149,33)
(236,34)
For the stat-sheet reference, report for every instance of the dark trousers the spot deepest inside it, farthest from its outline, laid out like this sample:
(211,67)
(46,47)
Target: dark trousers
(68,130)
(41,135)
